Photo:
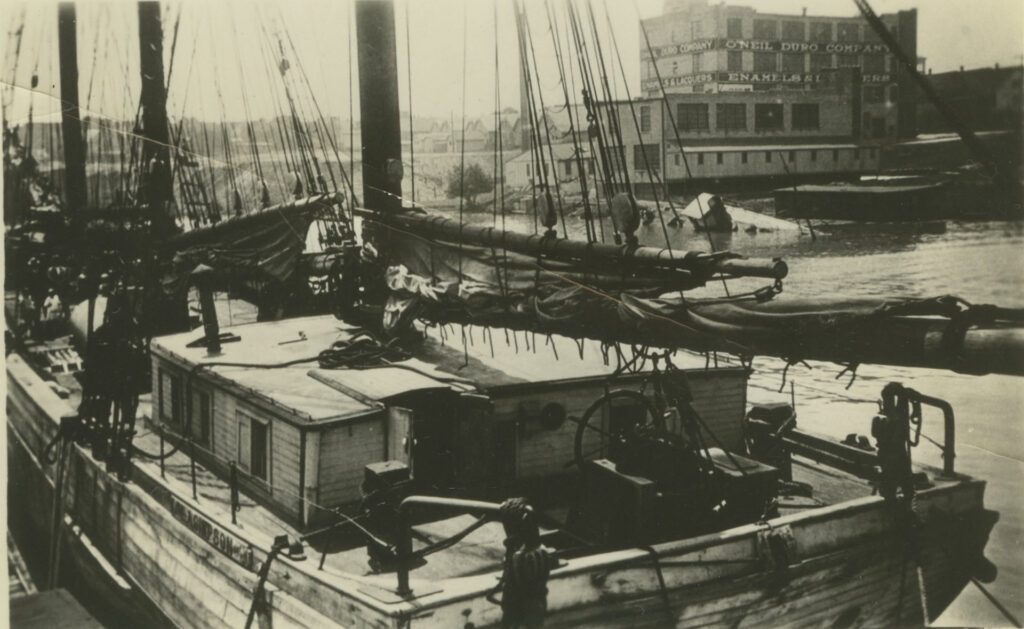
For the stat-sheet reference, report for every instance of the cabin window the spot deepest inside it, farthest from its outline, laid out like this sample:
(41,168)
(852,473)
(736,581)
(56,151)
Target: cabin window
(814,156)
(692,116)
(254,446)
(849,32)
(735,61)
(700,159)
(767,116)
(734,28)
(835,155)
(765,62)
(793,31)
(821,31)
(766,29)
(719,158)
(645,118)
(805,116)
(743,157)
(768,157)
(170,397)
(731,116)
(792,156)
(202,415)
(793,62)
(647,156)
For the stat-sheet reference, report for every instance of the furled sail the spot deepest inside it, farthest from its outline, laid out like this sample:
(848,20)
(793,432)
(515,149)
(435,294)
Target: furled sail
(442,272)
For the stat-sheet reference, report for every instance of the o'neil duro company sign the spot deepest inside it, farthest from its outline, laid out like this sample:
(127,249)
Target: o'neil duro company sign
(763,45)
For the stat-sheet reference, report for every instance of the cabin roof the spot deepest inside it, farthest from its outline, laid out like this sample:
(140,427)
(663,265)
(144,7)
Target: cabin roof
(321,395)
(276,361)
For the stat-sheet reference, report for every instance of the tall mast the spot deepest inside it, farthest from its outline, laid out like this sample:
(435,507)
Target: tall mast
(378,105)
(156,189)
(71,123)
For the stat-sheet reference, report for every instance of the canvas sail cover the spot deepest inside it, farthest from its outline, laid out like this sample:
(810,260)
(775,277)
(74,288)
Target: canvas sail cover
(265,246)
(447,282)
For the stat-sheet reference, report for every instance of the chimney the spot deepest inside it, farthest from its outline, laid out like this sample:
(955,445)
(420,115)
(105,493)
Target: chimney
(202,278)
(805,12)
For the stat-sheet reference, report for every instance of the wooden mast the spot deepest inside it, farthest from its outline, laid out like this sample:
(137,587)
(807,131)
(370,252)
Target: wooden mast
(71,123)
(156,191)
(165,314)
(378,105)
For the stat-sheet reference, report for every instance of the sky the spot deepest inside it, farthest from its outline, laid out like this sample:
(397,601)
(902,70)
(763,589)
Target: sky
(226,56)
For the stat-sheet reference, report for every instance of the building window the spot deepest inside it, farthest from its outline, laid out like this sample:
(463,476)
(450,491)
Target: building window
(645,118)
(874,93)
(719,159)
(767,117)
(835,155)
(734,28)
(529,170)
(849,32)
(765,62)
(647,157)
(202,417)
(743,157)
(692,116)
(677,158)
(821,31)
(792,62)
(767,157)
(805,116)
(766,29)
(847,61)
(820,62)
(894,92)
(871,153)
(695,30)
(793,31)
(253,446)
(700,159)
(568,167)
(792,156)
(170,397)
(731,116)
(698,62)
(590,166)
(735,61)
(874,64)
(814,156)
(871,37)
(856,153)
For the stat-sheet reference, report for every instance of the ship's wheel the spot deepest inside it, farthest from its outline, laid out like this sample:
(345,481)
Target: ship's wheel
(615,436)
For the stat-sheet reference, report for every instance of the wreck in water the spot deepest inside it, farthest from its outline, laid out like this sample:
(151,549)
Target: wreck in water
(351,469)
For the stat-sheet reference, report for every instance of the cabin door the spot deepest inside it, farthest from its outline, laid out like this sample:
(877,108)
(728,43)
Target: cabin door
(400,434)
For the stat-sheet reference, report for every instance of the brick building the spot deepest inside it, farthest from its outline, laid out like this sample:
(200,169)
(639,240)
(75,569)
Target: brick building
(702,48)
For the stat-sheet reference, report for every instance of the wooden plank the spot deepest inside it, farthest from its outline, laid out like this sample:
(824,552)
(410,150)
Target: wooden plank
(53,609)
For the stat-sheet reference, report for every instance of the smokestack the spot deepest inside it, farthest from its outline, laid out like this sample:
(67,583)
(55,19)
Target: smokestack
(202,278)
